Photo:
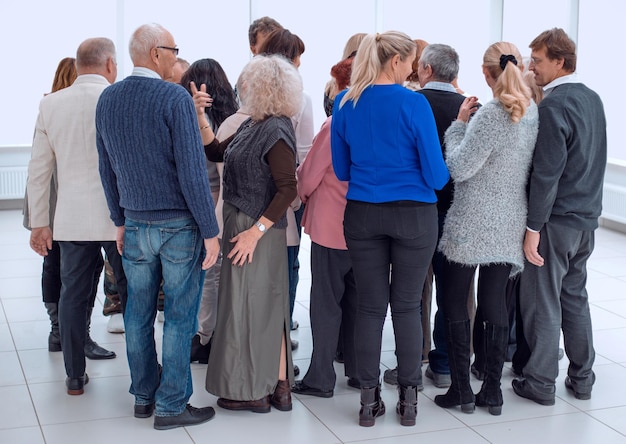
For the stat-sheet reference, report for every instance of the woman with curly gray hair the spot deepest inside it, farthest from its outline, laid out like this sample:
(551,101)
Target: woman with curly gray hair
(250,366)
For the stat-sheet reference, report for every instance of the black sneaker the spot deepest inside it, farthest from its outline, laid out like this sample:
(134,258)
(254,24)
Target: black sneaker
(190,416)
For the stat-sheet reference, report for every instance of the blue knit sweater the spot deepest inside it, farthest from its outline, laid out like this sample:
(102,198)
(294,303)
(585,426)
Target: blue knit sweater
(387,146)
(152,161)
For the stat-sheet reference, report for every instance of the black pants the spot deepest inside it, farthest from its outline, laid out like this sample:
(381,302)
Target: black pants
(81,265)
(332,307)
(391,246)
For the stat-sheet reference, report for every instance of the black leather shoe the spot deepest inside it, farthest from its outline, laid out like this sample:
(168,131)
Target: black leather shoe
(262,405)
(302,389)
(200,352)
(521,389)
(294,344)
(76,386)
(354,383)
(144,410)
(190,416)
(578,395)
(94,351)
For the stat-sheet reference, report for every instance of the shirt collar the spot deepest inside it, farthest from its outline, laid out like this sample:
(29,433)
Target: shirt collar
(144,72)
(440,86)
(570,78)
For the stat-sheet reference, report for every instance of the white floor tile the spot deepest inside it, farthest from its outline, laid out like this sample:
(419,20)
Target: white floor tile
(569,428)
(34,406)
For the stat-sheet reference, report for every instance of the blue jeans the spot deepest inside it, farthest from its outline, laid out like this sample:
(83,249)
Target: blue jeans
(171,251)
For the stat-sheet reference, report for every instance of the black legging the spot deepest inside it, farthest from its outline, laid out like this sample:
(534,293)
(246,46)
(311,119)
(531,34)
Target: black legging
(492,280)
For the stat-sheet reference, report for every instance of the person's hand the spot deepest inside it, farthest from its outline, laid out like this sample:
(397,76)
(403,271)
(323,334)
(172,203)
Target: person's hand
(468,107)
(531,248)
(245,244)
(119,239)
(41,240)
(201,98)
(212,247)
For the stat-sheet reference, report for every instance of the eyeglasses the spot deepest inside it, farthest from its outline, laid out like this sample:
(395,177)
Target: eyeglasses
(174,50)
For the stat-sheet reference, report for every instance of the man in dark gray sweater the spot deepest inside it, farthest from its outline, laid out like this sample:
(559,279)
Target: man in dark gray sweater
(565,201)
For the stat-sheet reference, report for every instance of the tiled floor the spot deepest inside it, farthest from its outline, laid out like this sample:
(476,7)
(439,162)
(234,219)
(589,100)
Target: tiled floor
(34,407)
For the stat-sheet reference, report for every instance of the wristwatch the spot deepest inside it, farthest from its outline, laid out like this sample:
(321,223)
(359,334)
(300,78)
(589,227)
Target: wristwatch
(260,226)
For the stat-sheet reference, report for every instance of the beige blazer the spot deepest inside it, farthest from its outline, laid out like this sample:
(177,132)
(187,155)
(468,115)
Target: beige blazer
(65,136)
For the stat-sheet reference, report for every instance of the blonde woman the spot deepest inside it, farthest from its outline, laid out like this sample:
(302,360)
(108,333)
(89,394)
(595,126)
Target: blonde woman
(489,160)
(250,365)
(384,142)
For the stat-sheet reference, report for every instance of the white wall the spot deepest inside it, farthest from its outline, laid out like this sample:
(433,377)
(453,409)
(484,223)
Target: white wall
(36,34)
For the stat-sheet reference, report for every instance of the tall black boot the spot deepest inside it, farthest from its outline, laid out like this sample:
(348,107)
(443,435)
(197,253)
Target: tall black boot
(54,338)
(460,391)
(92,349)
(496,341)
(371,406)
(407,405)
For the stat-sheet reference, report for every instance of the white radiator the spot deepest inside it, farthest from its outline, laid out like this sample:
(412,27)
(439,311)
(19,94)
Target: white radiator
(13,182)
(614,203)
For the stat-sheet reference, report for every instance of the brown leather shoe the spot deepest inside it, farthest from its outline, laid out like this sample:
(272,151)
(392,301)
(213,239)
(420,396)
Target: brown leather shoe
(258,406)
(281,399)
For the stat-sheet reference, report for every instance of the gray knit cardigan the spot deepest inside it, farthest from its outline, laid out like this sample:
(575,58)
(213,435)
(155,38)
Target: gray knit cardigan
(489,160)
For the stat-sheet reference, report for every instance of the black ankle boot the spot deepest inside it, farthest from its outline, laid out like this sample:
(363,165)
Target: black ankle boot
(407,405)
(200,352)
(460,391)
(490,395)
(54,338)
(371,406)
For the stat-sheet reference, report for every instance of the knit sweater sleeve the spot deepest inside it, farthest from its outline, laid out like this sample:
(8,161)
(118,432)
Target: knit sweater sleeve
(193,179)
(109,182)
(549,162)
(469,145)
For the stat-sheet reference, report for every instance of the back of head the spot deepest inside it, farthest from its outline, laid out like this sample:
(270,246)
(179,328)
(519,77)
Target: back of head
(352,45)
(284,43)
(421,45)
(374,52)
(269,85)
(264,25)
(443,60)
(93,54)
(142,41)
(503,62)
(210,73)
(65,74)
(558,45)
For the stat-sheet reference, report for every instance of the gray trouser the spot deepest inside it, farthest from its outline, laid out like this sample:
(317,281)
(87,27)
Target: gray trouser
(554,297)
(207,314)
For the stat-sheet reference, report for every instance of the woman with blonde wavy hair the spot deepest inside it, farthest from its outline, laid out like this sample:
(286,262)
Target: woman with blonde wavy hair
(489,160)
(250,366)
(384,143)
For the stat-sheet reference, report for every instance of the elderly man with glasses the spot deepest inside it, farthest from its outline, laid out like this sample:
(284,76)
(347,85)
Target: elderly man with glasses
(153,170)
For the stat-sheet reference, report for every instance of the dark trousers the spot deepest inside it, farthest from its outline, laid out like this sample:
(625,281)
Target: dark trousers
(332,307)
(51,275)
(492,282)
(81,265)
(391,246)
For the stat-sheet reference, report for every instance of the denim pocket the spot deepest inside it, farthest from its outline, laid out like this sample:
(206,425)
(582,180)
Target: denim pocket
(132,250)
(355,222)
(178,244)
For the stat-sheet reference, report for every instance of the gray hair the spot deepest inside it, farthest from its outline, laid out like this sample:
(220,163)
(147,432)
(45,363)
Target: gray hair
(144,39)
(270,86)
(94,53)
(443,60)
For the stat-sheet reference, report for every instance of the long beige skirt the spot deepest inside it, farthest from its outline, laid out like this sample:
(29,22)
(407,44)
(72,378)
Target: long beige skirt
(252,316)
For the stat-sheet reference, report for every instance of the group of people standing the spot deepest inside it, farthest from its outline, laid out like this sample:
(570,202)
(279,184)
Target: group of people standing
(395,182)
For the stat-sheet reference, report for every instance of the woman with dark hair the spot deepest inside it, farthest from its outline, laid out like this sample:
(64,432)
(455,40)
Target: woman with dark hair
(284,43)
(209,72)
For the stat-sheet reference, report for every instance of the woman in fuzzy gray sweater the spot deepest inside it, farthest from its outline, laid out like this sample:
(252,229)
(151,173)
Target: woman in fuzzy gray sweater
(489,159)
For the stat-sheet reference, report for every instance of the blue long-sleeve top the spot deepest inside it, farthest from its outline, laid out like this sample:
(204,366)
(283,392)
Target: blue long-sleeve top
(387,146)
(151,157)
